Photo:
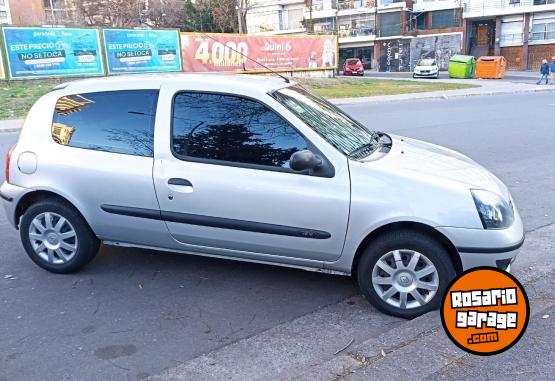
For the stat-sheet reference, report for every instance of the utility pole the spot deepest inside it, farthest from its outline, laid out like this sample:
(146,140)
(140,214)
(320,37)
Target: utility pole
(310,29)
(240,15)
(52,14)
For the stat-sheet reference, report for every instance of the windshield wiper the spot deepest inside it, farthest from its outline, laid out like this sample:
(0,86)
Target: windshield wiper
(376,142)
(360,152)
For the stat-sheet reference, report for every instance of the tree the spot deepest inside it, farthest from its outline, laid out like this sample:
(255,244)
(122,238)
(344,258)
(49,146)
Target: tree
(165,13)
(115,13)
(198,16)
(216,15)
(131,13)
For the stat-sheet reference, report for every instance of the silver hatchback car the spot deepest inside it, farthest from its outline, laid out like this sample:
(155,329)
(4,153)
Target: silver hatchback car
(254,169)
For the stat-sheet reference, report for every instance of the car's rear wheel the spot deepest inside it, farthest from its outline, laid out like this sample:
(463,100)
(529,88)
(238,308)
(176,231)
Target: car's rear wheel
(404,273)
(56,237)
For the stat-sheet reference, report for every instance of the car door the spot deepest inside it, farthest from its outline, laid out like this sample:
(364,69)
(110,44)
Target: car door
(100,155)
(224,186)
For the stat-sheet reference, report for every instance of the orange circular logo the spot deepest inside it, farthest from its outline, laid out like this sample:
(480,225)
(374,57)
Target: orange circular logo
(485,311)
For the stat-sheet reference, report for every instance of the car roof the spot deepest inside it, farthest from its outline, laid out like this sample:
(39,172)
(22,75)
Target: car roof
(209,81)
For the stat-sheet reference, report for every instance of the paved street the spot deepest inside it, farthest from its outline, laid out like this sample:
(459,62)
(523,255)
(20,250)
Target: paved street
(133,313)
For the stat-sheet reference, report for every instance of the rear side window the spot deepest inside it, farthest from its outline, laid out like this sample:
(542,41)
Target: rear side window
(114,121)
(232,129)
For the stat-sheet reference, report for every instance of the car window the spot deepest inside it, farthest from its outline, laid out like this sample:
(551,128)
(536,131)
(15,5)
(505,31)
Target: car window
(232,129)
(338,128)
(114,121)
(426,62)
(352,61)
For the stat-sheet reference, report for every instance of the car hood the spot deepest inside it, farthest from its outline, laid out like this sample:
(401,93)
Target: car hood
(436,163)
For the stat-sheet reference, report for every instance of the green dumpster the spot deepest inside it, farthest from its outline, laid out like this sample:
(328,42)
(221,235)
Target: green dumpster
(462,66)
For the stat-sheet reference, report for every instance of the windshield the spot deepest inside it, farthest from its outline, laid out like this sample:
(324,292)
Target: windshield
(426,62)
(352,61)
(340,130)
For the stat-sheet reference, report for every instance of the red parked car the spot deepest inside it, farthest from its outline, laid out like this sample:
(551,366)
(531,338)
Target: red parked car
(353,66)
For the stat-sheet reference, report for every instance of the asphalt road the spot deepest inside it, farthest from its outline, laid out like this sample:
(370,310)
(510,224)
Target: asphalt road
(133,313)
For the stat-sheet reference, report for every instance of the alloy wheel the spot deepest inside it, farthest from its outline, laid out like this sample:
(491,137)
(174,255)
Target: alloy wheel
(405,279)
(53,238)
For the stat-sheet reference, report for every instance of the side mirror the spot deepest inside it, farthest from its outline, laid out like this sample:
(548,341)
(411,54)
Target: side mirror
(304,160)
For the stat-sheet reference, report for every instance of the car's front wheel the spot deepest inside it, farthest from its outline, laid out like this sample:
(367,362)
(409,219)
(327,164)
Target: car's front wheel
(56,237)
(404,273)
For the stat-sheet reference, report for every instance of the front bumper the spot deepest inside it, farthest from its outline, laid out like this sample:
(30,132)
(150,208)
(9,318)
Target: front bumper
(9,196)
(487,247)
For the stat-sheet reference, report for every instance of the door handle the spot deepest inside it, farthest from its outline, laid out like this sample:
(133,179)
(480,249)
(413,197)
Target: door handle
(180,182)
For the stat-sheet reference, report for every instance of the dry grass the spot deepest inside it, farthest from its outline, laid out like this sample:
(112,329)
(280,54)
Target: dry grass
(363,87)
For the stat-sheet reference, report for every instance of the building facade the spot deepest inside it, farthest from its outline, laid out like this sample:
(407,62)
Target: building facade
(387,35)
(523,31)
(414,29)
(276,17)
(354,21)
(5,14)
(36,12)
(27,12)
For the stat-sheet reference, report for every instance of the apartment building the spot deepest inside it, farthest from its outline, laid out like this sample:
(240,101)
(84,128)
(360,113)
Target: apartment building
(35,12)
(276,17)
(354,21)
(27,12)
(5,15)
(523,31)
(414,29)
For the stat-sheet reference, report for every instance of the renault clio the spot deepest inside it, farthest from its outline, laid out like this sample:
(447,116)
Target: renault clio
(253,169)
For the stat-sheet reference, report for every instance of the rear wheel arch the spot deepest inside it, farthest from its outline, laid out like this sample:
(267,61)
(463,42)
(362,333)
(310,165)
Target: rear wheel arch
(36,196)
(408,226)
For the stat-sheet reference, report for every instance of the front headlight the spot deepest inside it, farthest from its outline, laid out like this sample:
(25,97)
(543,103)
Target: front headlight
(494,212)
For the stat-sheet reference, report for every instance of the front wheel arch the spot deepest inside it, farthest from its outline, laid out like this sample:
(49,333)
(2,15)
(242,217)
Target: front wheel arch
(411,226)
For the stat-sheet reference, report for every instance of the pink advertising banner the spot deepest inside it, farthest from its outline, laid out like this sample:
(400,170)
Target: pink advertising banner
(227,52)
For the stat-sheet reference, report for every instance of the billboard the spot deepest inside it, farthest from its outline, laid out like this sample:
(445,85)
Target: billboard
(204,52)
(52,52)
(139,51)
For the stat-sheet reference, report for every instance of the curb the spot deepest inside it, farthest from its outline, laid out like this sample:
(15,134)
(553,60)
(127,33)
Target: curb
(9,130)
(422,96)
(11,125)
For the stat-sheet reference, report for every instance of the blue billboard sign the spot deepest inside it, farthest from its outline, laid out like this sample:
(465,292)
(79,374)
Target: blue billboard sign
(52,52)
(139,51)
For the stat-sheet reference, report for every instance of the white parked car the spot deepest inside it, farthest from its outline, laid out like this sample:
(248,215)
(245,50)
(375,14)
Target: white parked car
(426,68)
(254,169)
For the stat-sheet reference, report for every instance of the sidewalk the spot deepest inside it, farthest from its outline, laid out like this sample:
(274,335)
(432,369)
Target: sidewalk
(326,344)
(487,87)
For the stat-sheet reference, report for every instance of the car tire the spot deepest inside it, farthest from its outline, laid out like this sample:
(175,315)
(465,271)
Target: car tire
(394,251)
(414,76)
(56,237)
